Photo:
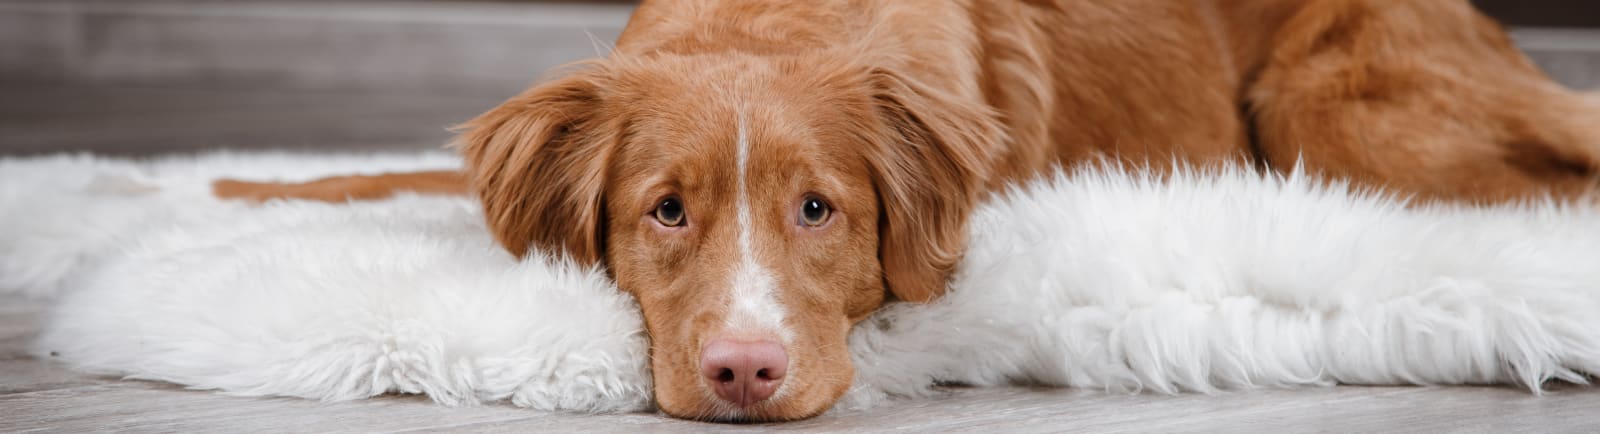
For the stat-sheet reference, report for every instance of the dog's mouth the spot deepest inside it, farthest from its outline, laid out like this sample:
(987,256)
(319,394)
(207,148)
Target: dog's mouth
(778,409)
(746,381)
(709,407)
(741,385)
(763,412)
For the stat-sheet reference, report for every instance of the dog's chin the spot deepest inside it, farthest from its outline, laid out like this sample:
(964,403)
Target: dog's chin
(786,405)
(759,413)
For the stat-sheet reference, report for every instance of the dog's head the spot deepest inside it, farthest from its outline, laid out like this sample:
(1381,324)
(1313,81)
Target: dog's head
(755,207)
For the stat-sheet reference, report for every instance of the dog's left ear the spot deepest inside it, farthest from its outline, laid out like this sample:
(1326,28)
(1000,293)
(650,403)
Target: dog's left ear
(931,164)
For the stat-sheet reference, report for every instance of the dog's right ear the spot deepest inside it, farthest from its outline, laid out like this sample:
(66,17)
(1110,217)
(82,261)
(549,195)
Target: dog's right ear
(537,163)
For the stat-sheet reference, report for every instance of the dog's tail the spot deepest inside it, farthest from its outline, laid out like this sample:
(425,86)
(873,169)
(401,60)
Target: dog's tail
(344,188)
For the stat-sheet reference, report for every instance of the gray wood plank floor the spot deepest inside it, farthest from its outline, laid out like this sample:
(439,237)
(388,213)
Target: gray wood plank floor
(39,395)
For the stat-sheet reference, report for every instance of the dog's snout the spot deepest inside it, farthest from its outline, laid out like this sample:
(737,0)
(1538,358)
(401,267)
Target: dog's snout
(743,372)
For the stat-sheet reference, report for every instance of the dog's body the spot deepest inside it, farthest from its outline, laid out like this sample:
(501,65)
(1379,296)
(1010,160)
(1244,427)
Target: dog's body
(760,174)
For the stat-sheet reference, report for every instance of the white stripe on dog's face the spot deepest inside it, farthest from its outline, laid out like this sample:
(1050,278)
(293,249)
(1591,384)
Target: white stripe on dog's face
(755,308)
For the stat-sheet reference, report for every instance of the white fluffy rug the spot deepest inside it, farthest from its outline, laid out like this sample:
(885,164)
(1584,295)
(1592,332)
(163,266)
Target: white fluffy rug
(1101,280)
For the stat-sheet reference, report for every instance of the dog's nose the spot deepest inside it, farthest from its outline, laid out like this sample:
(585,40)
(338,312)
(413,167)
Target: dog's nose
(743,372)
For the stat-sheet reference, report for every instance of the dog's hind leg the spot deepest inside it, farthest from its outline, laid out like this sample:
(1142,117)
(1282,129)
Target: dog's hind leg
(343,188)
(1427,98)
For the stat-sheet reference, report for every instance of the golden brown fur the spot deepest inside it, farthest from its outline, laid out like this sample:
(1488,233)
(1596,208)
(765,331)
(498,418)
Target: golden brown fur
(903,115)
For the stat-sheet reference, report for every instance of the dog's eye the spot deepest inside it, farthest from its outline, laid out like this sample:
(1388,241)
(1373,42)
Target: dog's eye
(670,212)
(814,212)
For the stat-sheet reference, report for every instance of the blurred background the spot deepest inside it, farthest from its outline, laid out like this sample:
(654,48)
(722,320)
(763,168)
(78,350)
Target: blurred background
(137,77)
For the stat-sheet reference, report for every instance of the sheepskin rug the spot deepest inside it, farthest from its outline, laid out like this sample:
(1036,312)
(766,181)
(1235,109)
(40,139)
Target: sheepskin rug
(1097,279)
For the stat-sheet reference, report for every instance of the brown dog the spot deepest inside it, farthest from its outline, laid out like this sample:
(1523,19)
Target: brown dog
(761,174)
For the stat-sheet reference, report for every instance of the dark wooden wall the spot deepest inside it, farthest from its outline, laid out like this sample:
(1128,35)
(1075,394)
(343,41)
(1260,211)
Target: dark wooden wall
(1549,13)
